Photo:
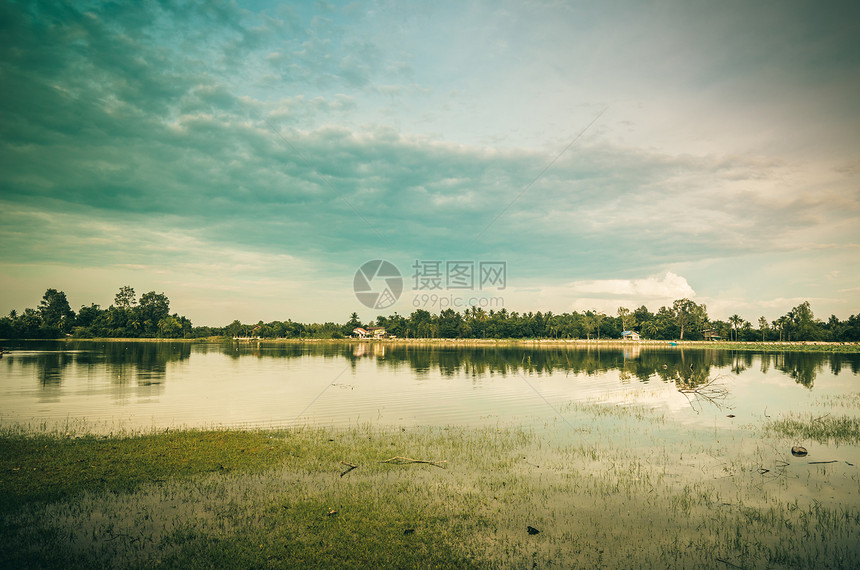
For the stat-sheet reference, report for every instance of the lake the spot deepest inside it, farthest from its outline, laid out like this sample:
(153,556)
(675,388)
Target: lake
(621,455)
(115,386)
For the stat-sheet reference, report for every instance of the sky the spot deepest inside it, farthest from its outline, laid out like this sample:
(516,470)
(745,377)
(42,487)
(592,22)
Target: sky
(247,158)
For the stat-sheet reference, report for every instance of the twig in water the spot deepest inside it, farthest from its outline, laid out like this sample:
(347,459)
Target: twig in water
(405,461)
(709,391)
(822,462)
(728,563)
(122,535)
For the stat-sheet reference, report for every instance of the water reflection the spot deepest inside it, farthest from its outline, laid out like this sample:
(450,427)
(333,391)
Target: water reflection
(173,383)
(142,365)
(688,367)
(145,364)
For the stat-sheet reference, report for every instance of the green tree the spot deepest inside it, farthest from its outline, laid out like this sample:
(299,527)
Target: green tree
(125,298)
(624,315)
(56,312)
(736,322)
(762,326)
(688,315)
(779,324)
(449,323)
(649,328)
(421,324)
(169,327)
(353,323)
(803,322)
(598,318)
(642,315)
(150,310)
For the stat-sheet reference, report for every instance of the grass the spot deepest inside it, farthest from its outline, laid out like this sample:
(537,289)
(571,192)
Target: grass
(613,497)
(768,346)
(774,346)
(821,429)
(850,401)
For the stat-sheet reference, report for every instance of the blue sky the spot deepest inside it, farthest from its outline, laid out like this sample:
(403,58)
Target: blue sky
(246,158)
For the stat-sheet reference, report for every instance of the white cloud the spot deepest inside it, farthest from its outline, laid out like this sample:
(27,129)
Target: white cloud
(667,286)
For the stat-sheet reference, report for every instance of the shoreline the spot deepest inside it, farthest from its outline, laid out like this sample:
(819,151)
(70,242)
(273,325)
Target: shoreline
(780,346)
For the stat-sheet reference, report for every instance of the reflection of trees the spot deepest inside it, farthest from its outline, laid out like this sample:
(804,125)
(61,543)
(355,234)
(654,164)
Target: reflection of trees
(141,363)
(684,367)
(146,362)
(51,367)
(801,366)
(687,369)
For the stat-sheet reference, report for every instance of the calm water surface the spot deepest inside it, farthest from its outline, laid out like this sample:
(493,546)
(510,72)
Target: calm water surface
(132,385)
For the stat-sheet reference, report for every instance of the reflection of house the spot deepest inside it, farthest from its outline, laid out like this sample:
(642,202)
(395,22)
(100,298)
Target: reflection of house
(711,334)
(630,335)
(376,332)
(359,332)
(631,352)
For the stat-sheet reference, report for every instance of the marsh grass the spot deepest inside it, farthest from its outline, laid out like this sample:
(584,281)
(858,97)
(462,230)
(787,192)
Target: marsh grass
(850,401)
(822,429)
(196,499)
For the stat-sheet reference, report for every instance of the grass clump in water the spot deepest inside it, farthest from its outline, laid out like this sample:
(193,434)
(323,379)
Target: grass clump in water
(822,429)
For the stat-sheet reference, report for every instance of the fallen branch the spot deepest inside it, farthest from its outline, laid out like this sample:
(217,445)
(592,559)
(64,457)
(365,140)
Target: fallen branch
(822,462)
(121,535)
(727,563)
(710,391)
(405,461)
(349,467)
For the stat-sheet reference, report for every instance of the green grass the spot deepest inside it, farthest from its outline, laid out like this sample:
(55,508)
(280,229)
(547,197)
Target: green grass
(822,429)
(617,496)
(802,346)
(47,468)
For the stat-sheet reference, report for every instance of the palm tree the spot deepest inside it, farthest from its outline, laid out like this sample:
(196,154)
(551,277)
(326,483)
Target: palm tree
(736,321)
(649,328)
(762,325)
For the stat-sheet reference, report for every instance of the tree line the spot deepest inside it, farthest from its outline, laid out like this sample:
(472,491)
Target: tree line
(150,317)
(128,317)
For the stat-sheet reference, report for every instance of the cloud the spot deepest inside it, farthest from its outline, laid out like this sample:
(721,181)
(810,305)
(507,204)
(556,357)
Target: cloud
(335,134)
(667,286)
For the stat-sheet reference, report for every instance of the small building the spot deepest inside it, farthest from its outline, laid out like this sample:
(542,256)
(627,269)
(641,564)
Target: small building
(630,335)
(359,332)
(711,334)
(377,332)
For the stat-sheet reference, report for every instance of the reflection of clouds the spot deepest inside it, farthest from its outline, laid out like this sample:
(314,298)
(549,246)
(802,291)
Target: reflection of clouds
(661,396)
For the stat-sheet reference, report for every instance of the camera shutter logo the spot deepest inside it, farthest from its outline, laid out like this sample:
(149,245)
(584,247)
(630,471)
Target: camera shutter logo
(377,284)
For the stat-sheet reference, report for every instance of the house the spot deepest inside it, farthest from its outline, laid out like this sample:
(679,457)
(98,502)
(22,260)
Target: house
(711,334)
(630,335)
(376,332)
(369,332)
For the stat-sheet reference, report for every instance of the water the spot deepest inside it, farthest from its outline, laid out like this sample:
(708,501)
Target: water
(144,385)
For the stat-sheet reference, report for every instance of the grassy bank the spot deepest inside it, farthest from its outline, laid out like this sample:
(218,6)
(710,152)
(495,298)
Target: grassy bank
(614,496)
(799,346)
